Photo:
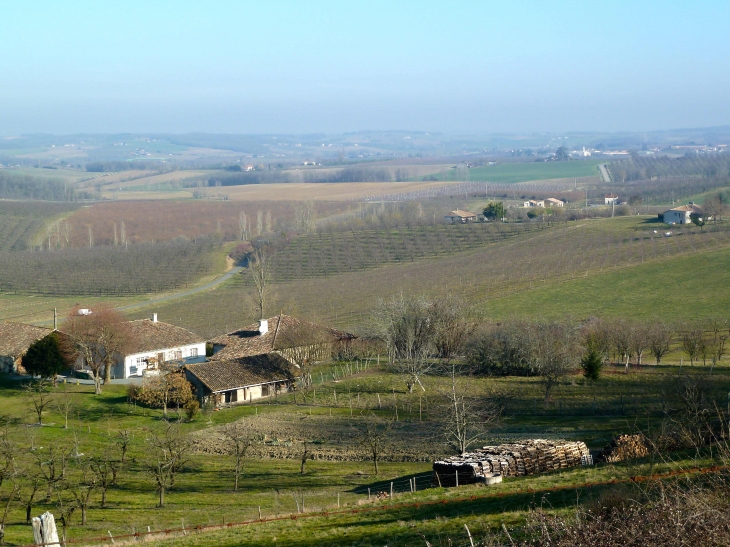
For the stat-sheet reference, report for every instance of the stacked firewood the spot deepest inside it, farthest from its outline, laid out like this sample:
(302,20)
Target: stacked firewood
(523,458)
(625,447)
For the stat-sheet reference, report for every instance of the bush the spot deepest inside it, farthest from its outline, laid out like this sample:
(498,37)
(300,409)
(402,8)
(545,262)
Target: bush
(192,407)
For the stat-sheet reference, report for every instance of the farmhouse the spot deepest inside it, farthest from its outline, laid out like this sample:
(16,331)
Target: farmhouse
(155,342)
(610,199)
(460,217)
(15,339)
(682,214)
(236,381)
(282,334)
(552,202)
(532,203)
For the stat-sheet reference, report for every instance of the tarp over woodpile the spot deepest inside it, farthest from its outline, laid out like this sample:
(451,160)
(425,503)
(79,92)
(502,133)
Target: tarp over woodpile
(509,460)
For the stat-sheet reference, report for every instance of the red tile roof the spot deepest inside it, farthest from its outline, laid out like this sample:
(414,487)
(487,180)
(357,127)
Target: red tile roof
(224,375)
(282,328)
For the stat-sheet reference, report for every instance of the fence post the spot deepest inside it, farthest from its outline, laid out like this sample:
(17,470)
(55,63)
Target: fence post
(457,478)
(471,541)
(260,513)
(391,489)
(338,499)
(368,494)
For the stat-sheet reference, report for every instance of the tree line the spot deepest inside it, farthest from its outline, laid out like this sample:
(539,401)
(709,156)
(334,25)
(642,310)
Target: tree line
(17,186)
(650,167)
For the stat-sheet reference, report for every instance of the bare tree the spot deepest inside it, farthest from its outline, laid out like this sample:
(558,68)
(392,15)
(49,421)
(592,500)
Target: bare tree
(123,440)
(99,338)
(39,397)
(260,269)
(373,432)
(622,338)
(639,340)
(168,455)
(104,469)
(467,416)
(304,344)
(407,328)
(453,324)
(660,340)
(241,437)
(52,463)
(692,337)
(65,403)
(82,486)
(555,353)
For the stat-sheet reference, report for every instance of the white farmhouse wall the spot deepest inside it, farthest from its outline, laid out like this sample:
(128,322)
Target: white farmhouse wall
(136,364)
(677,217)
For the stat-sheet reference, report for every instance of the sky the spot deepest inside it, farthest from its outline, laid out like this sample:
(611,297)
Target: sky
(311,66)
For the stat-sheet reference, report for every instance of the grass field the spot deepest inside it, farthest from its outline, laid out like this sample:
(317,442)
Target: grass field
(203,494)
(529,171)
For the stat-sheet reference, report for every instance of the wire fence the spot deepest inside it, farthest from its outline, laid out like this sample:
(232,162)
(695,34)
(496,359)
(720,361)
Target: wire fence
(184,530)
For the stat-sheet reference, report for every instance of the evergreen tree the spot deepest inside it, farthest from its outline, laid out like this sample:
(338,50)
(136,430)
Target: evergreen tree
(591,365)
(45,357)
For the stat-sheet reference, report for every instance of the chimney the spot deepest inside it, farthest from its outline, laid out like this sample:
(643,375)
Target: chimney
(263,326)
(154,318)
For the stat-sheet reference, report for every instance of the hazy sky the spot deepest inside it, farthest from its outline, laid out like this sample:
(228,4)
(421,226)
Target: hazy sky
(308,66)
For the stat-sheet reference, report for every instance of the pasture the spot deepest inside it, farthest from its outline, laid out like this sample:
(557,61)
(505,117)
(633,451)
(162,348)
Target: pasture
(509,173)
(272,482)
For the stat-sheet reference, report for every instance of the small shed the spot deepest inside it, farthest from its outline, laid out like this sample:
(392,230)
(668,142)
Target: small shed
(237,381)
(15,339)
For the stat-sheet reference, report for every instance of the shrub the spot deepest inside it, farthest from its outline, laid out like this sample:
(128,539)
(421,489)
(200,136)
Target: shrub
(191,409)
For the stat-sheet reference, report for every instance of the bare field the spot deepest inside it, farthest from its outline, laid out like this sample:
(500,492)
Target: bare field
(330,191)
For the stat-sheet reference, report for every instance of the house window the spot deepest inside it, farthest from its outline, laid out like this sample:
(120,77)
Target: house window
(193,352)
(133,370)
(177,355)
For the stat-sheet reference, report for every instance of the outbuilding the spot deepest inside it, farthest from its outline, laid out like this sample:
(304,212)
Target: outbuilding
(236,381)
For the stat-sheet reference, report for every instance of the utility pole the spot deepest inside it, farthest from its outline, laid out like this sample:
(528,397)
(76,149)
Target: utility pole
(55,319)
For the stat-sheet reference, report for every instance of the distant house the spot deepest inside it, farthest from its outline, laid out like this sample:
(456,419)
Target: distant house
(534,203)
(236,381)
(248,167)
(682,214)
(15,339)
(552,202)
(460,217)
(610,199)
(276,334)
(155,342)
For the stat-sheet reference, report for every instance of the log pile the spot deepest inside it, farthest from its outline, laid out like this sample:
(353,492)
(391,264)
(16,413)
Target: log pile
(509,460)
(625,447)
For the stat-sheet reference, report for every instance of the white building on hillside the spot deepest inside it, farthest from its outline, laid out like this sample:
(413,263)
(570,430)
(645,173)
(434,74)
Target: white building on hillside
(155,342)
